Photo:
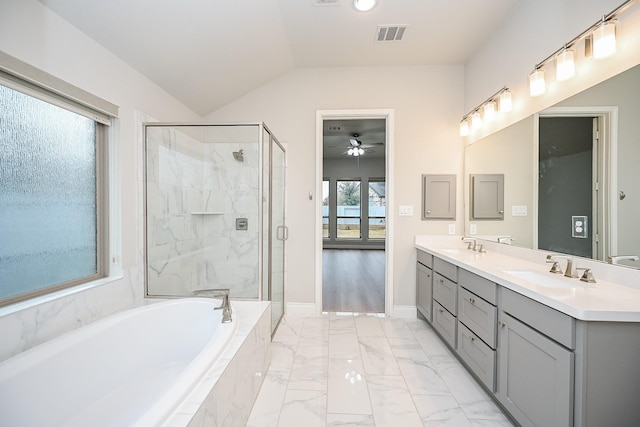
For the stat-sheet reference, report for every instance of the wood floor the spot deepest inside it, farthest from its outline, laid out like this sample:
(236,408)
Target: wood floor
(353,280)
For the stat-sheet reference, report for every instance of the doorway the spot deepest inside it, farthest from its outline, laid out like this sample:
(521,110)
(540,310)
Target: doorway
(576,146)
(354,228)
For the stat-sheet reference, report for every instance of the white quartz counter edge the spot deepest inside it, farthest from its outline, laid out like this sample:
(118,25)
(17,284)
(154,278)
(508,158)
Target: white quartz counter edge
(602,301)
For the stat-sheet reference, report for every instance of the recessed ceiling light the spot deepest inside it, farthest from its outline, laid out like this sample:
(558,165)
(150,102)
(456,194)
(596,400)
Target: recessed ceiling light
(364,5)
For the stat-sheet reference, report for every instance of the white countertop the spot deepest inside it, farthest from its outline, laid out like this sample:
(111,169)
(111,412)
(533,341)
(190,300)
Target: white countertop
(601,301)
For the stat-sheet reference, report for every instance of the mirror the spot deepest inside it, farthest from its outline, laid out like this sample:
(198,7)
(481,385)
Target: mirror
(535,178)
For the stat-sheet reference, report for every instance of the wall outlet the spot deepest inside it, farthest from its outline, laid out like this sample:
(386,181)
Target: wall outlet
(579,227)
(405,210)
(473,229)
(452,229)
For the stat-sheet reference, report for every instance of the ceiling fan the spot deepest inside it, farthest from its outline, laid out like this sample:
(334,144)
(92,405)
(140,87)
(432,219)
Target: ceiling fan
(357,148)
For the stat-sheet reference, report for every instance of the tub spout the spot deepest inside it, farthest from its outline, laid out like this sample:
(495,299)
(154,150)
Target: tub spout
(225,306)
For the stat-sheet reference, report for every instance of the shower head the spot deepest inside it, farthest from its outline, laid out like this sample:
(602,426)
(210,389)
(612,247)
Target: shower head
(239,155)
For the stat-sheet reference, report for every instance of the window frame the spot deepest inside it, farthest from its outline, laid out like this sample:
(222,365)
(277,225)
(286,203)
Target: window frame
(24,78)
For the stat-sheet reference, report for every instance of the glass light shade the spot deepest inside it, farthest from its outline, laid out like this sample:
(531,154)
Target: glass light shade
(604,40)
(565,65)
(364,5)
(476,120)
(489,110)
(464,128)
(536,82)
(505,104)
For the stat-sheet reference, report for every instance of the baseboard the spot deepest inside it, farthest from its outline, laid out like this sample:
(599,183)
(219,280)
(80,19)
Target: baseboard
(405,311)
(303,308)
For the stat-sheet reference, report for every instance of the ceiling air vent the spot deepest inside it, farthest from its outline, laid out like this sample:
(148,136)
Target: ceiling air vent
(325,2)
(390,33)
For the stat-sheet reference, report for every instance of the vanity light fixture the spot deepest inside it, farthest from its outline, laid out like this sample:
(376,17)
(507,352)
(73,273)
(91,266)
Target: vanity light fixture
(476,120)
(499,101)
(536,82)
(504,101)
(604,39)
(489,111)
(364,5)
(464,127)
(565,64)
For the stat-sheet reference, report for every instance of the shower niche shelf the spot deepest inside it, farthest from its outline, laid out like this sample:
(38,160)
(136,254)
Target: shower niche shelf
(207,213)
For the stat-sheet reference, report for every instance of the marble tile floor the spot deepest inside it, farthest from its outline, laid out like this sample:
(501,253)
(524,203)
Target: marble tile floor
(350,369)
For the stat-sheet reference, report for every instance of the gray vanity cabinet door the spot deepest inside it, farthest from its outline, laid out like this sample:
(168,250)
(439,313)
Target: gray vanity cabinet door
(445,324)
(445,292)
(535,376)
(424,290)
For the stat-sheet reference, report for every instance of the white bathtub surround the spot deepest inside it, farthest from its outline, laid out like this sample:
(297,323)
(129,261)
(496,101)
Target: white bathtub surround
(229,389)
(30,323)
(140,366)
(365,370)
(615,296)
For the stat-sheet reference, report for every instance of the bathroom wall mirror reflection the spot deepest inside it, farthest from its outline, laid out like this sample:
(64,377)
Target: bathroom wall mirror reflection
(575,159)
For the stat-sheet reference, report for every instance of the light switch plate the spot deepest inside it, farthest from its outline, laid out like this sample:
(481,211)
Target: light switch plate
(519,210)
(406,210)
(452,229)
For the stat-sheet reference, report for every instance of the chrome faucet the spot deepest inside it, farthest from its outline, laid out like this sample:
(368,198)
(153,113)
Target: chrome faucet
(225,306)
(570,271)
(617,258)
(470,241)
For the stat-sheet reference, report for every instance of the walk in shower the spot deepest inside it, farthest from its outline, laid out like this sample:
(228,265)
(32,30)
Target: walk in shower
(214,211)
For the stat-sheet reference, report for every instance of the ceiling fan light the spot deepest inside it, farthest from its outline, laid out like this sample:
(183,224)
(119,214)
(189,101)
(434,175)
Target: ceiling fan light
(364,5)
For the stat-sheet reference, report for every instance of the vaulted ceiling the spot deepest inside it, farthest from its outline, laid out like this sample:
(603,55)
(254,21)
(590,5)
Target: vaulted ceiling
(207,53)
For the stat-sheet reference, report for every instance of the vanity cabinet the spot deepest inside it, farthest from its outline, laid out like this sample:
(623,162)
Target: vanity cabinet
(477,316)
(536,364)
(424,285)
(543,367)
(445,300)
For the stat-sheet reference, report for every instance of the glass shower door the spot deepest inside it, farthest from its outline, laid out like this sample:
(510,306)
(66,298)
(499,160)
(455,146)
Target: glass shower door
(279,232)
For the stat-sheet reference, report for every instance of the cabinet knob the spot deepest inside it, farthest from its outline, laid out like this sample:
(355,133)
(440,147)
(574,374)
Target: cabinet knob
(472,301)
(472,339)
(502,324)
(441,310)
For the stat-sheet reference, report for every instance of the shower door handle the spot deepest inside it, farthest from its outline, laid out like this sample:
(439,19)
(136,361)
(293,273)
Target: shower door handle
(282,232)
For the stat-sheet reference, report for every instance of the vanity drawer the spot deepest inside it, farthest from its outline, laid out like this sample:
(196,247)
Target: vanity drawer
(478,315)
(552,323)
(445,323)
(478,356)
(445,292)
(446,269)
(425,259)
(478,285)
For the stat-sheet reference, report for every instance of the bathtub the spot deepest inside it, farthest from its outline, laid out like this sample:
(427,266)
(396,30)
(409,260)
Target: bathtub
(134,368)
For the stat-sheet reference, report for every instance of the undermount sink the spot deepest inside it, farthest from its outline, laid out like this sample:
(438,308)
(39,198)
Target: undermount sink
(547,280)
(452,251)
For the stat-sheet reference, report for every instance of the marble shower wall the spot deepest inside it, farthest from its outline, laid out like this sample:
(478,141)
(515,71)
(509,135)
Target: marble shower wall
(195,192)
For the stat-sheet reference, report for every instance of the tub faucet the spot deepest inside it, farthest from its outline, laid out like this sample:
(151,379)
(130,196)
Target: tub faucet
(225,306)
(570,271)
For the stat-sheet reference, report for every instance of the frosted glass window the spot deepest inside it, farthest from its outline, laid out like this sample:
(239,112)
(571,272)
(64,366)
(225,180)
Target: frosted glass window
(48,196)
